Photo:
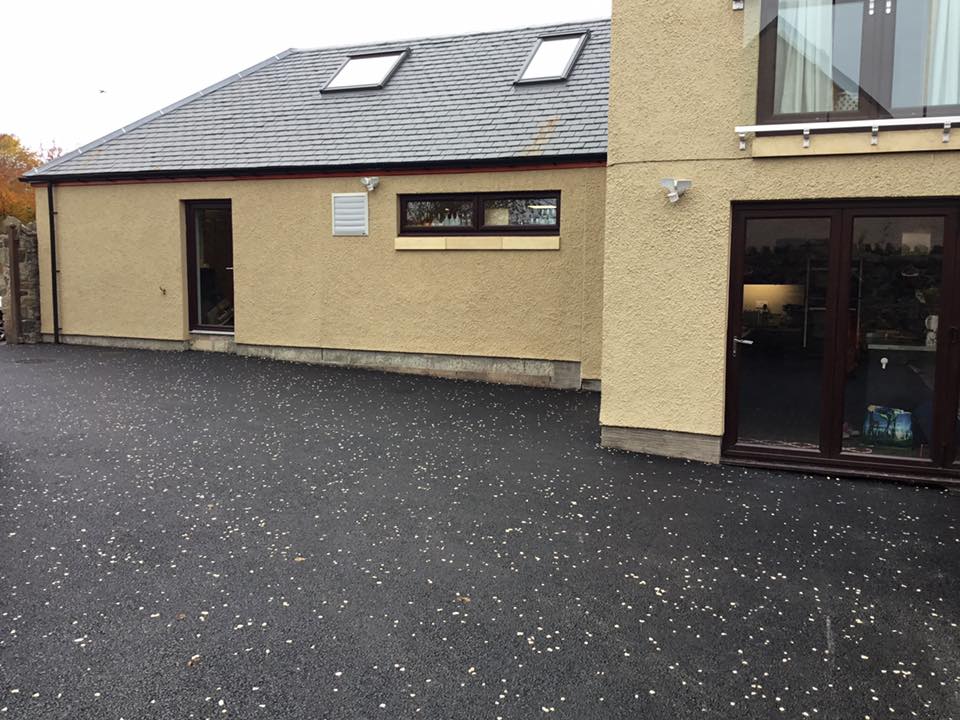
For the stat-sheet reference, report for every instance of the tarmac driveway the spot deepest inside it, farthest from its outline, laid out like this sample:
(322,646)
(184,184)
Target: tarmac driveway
(208,536)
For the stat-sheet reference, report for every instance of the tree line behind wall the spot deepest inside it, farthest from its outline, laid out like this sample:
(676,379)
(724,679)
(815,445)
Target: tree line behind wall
(16,198)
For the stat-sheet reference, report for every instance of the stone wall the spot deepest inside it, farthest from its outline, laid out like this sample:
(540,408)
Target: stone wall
(29,300)
(3,270)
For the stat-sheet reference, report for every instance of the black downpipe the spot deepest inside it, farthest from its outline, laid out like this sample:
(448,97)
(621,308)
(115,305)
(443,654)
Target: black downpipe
(54,293)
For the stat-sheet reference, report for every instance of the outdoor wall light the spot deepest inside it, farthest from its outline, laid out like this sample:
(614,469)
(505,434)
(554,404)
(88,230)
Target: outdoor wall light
(676,188)
(370,183)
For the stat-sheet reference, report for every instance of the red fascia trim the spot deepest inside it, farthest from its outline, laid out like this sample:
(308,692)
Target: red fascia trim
(306,175)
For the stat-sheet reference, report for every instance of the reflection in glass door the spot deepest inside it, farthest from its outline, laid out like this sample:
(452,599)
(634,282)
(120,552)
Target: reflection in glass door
(210,265)
(954,417)
(896,286)
(948,334)
(779,348)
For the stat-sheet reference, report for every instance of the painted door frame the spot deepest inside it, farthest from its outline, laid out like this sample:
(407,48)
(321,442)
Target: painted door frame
(193,280)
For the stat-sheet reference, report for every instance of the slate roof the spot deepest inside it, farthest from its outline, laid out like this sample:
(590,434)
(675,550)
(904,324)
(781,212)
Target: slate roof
(452,100)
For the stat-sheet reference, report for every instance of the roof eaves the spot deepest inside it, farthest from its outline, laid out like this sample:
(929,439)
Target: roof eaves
(449,160)
(39,172)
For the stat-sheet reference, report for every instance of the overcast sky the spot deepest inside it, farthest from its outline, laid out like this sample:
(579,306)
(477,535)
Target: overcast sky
(85,68)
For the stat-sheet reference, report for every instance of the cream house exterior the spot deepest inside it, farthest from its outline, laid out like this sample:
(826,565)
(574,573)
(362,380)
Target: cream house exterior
(676,99)
(452,120)
(299,287)
(798,306)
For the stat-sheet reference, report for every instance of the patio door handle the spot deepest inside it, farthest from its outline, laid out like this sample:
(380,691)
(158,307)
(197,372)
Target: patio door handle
(740,341)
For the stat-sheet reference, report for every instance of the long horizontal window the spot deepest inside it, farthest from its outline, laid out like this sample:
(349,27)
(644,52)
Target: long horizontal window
(533,213)
(828,60)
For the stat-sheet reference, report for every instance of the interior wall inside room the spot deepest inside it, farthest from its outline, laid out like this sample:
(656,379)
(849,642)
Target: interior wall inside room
(773,296)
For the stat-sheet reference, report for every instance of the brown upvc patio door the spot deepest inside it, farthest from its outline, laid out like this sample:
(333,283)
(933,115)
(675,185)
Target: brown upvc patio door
(779,348)
(949,337)
(843,347)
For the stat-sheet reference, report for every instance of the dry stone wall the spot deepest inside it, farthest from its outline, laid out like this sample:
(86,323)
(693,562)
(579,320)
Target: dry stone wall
(29,278)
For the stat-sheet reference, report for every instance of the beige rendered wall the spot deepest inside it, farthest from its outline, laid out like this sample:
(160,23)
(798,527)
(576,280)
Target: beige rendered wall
(683,76)
(122,257)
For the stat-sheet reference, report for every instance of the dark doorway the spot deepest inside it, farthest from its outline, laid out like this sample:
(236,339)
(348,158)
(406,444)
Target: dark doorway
(210,265)
(843,336)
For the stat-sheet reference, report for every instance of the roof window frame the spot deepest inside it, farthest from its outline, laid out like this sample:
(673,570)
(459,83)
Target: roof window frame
(402,56)
(584,36)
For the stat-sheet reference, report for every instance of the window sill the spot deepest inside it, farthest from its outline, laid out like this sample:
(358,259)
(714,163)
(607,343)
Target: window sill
(478,243)
(852,138)
(851,143)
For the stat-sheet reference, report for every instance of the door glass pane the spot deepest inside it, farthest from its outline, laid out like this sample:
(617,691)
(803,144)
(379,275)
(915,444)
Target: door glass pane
(926,64)
(214,267)
(784,320)
(892,326)
(956,435)
(818,56)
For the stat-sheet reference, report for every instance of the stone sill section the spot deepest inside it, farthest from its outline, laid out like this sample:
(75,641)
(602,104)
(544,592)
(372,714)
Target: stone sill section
(555,374)
(464,242)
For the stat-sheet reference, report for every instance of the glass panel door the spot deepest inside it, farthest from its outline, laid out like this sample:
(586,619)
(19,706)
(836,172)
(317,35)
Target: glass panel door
(210,265)
(953,412)
(892,328)
(948,334)
(844,334)
(781,321)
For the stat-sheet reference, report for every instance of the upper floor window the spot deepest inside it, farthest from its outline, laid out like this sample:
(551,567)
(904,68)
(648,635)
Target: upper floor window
(828,60)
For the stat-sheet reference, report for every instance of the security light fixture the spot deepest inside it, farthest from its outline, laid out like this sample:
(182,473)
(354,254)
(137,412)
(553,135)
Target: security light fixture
(553,58)
(363,72)
(370,183)
(676,188)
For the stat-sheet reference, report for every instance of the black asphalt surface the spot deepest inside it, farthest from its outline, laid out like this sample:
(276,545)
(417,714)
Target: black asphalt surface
(208,536)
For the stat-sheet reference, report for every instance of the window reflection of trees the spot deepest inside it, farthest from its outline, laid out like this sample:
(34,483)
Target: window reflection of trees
(520,211)
(435,213)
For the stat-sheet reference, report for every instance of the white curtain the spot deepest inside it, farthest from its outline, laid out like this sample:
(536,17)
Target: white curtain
(804,80)
(943,83)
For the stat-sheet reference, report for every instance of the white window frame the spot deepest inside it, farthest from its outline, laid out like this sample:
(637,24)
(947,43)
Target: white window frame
(366,214)
(401,56)
(574,57)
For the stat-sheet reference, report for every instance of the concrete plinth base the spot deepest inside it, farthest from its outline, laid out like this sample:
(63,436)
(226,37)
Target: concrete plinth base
(556,374)
(705,448)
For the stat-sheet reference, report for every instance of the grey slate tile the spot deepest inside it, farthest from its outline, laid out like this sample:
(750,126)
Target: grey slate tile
(453,98)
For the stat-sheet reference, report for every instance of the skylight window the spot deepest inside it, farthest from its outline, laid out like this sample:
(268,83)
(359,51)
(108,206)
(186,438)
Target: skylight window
(553,58)
(366,71)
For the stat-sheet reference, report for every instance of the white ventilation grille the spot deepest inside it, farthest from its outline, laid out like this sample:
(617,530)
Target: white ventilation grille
(350,214)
